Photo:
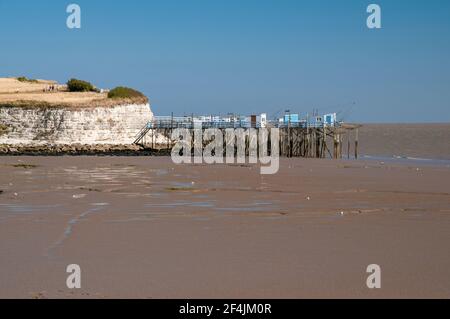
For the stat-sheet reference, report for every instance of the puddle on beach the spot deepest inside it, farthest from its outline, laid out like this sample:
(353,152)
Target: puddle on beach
(409,160)
(178,204)
(215,206)
(29,208)
(254,206)
(181,185)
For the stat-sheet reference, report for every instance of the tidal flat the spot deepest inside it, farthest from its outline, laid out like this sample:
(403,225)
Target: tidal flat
(143,227)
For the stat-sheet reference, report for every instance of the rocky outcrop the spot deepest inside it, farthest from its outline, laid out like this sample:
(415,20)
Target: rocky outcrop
(113,125)
(79,149)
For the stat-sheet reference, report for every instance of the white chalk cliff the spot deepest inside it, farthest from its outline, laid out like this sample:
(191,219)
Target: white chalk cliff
(111,125)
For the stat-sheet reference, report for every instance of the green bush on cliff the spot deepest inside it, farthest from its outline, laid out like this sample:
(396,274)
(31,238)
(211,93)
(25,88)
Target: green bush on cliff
(75,85)
(25,79)
(124,93)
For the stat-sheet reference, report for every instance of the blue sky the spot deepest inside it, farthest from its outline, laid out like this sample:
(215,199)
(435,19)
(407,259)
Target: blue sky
(244,56)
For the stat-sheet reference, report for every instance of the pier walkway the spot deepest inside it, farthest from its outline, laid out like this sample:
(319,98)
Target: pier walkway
(297,139)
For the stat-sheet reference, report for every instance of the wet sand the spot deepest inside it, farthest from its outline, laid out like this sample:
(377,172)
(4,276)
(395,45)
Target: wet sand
(145,228)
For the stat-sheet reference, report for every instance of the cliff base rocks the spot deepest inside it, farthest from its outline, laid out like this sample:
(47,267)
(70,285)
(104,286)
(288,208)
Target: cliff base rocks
(80,149)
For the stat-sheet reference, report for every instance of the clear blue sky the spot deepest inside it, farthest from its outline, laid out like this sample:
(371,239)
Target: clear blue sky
(244,56)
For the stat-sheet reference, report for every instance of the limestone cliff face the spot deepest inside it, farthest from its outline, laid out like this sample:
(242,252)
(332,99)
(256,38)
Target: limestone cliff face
(100,125)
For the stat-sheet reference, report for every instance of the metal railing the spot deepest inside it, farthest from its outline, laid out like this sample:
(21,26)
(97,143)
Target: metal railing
(168,122)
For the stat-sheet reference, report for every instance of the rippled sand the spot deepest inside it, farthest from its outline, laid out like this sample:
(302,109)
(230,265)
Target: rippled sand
(146,228)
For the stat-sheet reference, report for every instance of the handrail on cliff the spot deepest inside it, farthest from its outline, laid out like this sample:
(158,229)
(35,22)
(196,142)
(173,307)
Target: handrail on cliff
(142,132)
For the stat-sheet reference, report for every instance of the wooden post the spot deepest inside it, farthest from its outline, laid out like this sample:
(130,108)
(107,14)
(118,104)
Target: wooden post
(168,138)
(348,145)
(356,143)
(334,145)
(289,138)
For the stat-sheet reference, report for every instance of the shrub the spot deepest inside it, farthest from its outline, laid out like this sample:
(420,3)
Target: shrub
(124,93)
(75,85)
(25,79)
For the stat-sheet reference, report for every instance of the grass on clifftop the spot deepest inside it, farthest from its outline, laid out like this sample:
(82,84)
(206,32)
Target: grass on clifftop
(122,92)
(101,102)
(25,79)
(79,94)
(127,95)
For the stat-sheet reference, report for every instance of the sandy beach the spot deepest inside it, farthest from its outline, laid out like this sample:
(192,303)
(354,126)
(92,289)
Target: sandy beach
(142,227)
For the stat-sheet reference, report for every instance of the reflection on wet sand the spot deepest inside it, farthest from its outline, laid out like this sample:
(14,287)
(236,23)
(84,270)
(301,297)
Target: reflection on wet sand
(72,223)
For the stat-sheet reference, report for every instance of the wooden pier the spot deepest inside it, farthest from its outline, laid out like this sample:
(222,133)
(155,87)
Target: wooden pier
(308,141)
